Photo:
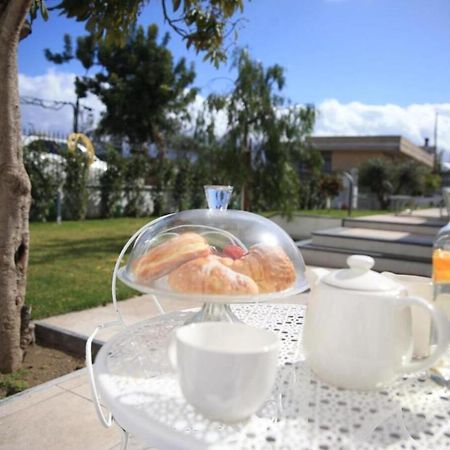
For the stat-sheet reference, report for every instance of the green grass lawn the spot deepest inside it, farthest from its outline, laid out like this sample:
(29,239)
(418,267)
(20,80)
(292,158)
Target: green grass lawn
(71,264)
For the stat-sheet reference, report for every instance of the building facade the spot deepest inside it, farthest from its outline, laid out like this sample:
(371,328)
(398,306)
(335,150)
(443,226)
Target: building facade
(344,153)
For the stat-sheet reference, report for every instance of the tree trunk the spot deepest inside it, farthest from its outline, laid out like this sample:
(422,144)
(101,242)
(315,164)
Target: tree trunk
(246,156)
(14,190)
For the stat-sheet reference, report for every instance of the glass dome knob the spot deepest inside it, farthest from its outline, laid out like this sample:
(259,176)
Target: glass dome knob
(218,197)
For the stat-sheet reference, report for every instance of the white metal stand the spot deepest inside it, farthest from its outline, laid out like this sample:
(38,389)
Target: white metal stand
(106,419)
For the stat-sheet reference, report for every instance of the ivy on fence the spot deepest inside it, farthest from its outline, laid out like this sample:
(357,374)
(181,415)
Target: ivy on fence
(75,186)
(46,172)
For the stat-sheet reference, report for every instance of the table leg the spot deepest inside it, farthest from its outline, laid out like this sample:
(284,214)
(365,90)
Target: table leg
(124,439)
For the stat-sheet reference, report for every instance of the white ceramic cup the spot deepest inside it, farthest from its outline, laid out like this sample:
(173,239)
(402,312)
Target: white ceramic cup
(226,370)
(421,322)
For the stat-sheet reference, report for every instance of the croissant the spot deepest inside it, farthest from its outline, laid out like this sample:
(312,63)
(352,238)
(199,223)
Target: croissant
(209,275)
(169,255)
(268,266)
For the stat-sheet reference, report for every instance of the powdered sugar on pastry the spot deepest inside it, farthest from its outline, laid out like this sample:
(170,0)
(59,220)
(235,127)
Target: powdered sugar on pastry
(169,255)
(209,275)
(269,266)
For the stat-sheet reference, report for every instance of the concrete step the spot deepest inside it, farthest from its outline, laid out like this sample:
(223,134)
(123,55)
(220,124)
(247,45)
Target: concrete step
(322,256)
(364,241)
(409,224)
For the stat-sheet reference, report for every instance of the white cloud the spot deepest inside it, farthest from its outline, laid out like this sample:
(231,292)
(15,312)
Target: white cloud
(415,121)
(220,117)
(53,85)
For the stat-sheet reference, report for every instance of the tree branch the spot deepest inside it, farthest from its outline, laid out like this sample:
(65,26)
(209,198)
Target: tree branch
(172,22)
(12,17)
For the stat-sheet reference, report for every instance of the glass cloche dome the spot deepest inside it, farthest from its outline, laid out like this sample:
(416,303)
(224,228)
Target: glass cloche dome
(215,255)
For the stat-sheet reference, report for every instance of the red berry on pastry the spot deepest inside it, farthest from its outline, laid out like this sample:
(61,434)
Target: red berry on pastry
(233,251)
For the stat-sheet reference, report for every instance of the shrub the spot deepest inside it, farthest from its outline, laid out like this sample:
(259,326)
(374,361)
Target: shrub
(330,185)
(377,174)
(200,177)
(409,178)
(112,184)
(13,383)
(136,169)
(182,188)
(310,196)
(385,177)
(75,186)
(163,173)
(46,172)
(432,183)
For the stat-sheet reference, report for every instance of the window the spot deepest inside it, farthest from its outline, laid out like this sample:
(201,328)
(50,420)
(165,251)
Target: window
(326,162)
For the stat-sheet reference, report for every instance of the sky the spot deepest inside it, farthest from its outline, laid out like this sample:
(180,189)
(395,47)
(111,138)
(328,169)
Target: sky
(369,66)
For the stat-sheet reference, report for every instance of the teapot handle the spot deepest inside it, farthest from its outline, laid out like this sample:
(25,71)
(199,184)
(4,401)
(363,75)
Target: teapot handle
(441,325)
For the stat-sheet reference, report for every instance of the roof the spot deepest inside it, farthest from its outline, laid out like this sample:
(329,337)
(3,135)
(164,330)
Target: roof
(385,144)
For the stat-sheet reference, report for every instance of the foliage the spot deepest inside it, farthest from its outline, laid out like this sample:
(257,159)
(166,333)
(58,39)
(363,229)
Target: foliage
(202,154)
(206,28)
(161,173)
(112,183)
(201,176)
(265,142)
(146,95)
(144,91)
(376,174)
(75,186)
(409,178)
(310,195)
(383,177)
(38,5)
(433,182)
(330,185)
(12,383)
(45,172)
(202,24)
(182,188)
(309,165)
(136,169)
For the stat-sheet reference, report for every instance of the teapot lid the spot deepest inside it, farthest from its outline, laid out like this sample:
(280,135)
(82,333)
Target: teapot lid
(359,276)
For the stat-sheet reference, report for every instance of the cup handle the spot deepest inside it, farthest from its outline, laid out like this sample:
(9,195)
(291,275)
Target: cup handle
(172,352)
(441,325)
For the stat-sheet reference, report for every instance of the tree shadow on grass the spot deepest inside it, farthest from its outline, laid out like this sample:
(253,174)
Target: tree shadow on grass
(63,249)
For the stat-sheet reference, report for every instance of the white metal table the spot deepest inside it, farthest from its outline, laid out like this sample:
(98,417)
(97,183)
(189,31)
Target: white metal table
(135,382)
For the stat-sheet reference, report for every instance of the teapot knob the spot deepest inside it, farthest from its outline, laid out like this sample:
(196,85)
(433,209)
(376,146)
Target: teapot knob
(361,262)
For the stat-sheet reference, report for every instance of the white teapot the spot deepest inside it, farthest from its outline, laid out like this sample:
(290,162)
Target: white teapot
(357,332)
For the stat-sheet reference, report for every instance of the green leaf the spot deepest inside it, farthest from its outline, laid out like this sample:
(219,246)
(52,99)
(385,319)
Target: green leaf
(44,10)
(33,10)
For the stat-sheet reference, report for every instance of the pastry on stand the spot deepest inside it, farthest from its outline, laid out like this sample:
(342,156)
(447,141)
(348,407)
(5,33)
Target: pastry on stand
(215,255)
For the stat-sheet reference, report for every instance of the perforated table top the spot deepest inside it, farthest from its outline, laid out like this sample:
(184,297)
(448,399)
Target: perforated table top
(136,383)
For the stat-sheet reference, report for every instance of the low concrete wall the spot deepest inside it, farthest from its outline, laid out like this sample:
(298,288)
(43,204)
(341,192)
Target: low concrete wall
(302,226)
(369,201)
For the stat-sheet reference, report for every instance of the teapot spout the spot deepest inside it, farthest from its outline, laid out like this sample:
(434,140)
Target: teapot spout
(314,274)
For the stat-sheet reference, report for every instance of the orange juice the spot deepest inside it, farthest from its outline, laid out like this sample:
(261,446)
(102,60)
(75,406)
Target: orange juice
(441,266)
(441,281)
